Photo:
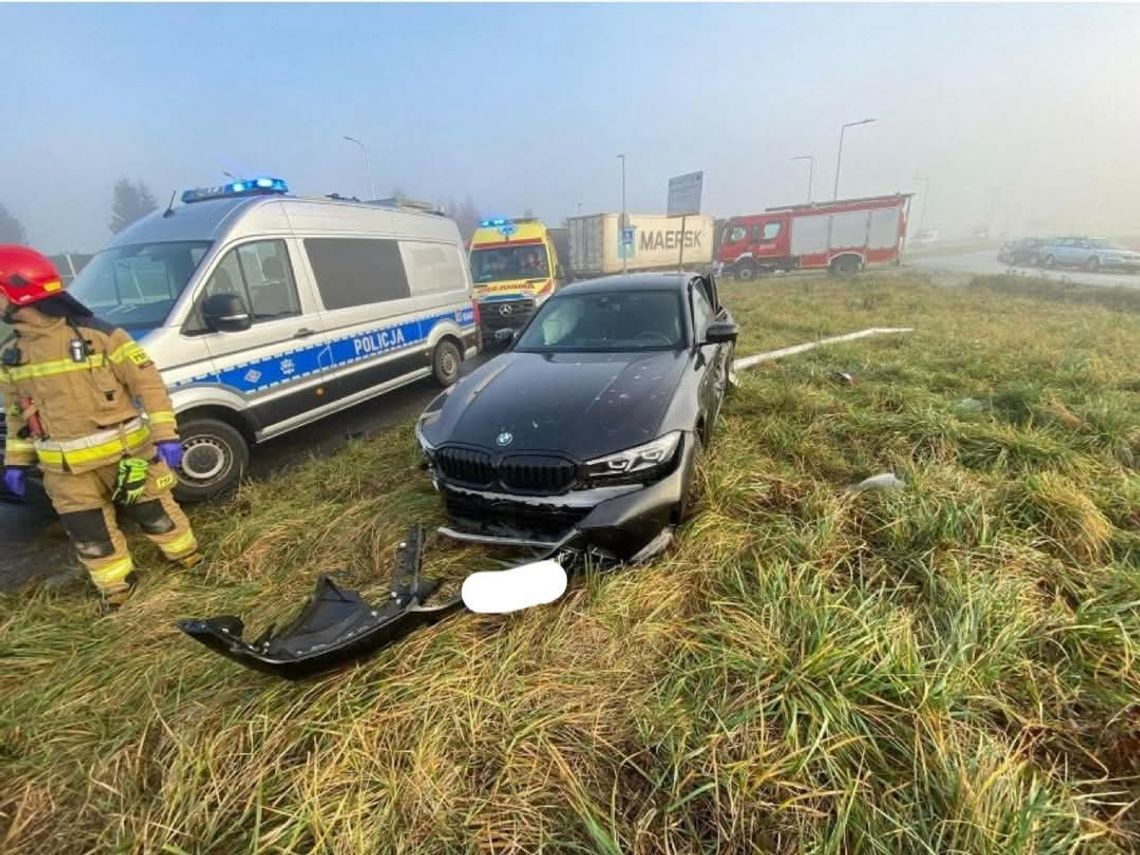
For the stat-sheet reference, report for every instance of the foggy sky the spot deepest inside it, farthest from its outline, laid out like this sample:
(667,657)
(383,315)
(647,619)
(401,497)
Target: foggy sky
(1028,112)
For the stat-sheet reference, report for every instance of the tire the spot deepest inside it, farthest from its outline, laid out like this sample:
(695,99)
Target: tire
(746,271)
(1093,264)
(214,459)
(445,362)
(692,493)
(1049,263)
(845,265)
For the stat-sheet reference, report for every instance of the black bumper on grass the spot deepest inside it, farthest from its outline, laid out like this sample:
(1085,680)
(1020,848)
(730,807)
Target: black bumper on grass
(335,628)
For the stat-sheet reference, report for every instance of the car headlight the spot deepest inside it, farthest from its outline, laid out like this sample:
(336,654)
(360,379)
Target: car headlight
(425,446)
(640,459)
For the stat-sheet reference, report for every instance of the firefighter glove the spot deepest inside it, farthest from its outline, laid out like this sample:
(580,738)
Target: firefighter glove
(171,453)
(16,480)
(130,480)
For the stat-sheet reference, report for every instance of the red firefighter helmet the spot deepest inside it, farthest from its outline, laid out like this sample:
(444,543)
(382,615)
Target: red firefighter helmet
(26,276)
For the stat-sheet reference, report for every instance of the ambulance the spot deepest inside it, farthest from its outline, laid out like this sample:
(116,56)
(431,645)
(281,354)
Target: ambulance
(515,267)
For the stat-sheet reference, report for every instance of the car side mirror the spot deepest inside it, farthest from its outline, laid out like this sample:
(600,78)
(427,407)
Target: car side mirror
(721,332)
(226,312)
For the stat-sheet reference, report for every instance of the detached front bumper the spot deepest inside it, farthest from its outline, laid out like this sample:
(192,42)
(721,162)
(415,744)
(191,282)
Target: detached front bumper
(619,520)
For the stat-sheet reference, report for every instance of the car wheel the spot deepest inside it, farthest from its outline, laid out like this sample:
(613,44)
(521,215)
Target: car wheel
(746,271)
(214,458)
(845,265)
(1093,264)
(445,362)
(692,490)
(1050,262)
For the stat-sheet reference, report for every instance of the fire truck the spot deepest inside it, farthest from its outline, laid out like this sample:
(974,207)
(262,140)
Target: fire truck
(843,236)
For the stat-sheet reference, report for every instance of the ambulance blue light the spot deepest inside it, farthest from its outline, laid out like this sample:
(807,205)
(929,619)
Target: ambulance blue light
(491,224)
(236,189)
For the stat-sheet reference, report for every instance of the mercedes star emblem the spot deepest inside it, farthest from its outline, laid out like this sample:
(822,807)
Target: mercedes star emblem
(505,310)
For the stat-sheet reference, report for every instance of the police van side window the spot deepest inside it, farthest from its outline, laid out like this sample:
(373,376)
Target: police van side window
(433,268)
(357,272)
(261,275)
(268,279)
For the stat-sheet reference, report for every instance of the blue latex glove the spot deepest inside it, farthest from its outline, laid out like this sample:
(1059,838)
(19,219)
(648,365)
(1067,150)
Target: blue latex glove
(170,452)
(16,480)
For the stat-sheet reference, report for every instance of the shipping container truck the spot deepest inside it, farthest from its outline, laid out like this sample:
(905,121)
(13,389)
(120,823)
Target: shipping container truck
(843,236)
(596,248)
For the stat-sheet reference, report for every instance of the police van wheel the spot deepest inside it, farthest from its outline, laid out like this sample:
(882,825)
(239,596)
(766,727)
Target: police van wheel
(445,362)
(214,458)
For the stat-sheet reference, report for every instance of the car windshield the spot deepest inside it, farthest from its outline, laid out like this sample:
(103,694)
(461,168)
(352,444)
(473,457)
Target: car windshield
(135,287)
(1102,243)
(606,322)
(527,261)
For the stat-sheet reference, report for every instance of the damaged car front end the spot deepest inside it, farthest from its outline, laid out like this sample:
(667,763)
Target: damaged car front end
(588,429)
(548,502)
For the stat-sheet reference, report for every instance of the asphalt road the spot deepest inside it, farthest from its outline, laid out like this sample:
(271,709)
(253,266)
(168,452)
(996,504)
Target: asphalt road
(985,262)
(34,547)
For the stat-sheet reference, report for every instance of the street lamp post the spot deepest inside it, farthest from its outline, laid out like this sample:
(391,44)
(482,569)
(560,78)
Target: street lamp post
(922,211)
(839,157)
(621,235)
(367,165)
(811,169)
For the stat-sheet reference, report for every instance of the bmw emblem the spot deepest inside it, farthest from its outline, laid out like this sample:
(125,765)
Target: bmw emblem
(505,438)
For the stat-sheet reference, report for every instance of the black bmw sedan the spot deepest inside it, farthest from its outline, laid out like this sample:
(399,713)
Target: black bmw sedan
(588,427)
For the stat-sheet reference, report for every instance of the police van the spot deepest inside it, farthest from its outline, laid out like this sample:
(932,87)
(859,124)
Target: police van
(265,311)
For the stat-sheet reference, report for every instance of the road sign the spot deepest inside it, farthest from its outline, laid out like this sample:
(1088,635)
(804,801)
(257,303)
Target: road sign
(627,237)
(685,194)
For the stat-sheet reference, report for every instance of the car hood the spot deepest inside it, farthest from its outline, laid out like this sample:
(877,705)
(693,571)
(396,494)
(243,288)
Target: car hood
(580,404)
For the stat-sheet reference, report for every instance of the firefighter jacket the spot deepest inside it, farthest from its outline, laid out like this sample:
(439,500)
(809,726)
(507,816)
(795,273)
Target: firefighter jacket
(74,392)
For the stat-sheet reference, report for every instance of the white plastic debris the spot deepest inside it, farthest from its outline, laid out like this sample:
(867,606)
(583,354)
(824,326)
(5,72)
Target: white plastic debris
(968,407)
(882,481)
(843,377)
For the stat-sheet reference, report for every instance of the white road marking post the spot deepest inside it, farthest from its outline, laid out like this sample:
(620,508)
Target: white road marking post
(771,355)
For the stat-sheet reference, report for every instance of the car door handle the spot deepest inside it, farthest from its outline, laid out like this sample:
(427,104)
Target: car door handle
(304,332)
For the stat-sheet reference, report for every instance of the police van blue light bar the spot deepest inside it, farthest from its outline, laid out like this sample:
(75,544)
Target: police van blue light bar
(236,189)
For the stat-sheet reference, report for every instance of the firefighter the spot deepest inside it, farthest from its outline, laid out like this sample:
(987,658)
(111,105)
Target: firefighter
(75,389)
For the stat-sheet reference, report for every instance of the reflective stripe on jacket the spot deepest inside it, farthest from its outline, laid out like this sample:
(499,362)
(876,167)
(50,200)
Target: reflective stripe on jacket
(80,385)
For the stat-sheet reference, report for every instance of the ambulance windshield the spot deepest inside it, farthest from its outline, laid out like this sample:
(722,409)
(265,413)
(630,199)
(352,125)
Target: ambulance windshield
(503,263)
(135,287)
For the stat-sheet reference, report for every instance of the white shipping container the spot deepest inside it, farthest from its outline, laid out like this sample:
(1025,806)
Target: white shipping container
(595,249)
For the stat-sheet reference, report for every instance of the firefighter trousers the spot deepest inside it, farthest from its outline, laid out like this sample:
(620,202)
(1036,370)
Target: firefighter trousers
(83,502)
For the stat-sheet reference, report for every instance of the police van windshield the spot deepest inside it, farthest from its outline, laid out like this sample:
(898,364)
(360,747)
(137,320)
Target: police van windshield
(527,261)
(135,287)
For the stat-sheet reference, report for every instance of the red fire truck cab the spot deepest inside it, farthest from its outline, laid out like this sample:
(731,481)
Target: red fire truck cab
(842,236)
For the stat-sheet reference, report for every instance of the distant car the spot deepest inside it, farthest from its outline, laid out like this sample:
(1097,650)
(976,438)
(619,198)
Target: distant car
(588,428)
(1092,254)
(1023,251)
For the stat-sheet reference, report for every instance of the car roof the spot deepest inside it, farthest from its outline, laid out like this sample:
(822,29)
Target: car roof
(631,282)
